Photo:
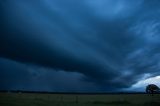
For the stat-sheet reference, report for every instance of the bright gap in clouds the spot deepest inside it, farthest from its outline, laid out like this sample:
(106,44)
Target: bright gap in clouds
(141,85)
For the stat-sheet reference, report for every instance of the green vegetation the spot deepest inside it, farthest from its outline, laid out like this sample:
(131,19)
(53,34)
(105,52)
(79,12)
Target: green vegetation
(34,99)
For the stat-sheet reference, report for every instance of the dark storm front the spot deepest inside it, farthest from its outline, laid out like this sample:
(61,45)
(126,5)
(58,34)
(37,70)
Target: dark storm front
(79,46)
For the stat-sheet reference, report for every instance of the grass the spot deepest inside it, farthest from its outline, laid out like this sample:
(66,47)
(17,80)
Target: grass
(34,99)
(113,102)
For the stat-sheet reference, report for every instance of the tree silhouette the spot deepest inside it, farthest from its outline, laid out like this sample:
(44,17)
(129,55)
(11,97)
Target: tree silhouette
(152,88)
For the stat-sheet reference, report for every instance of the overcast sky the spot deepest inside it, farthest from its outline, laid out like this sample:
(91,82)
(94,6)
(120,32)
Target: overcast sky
(79,45)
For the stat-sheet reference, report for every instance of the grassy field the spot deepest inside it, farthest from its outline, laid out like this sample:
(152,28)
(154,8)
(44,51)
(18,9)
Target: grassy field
(35,99)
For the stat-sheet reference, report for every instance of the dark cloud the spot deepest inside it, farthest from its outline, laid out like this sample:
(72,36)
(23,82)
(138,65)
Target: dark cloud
(85,37)
(20,76)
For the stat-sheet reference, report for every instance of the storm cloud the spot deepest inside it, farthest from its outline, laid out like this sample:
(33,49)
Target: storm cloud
(105,43)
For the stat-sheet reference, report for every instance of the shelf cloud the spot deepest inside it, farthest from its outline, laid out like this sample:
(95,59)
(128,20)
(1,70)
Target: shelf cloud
(104,45)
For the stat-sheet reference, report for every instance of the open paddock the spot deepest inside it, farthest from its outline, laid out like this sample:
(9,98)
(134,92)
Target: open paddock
(42,99)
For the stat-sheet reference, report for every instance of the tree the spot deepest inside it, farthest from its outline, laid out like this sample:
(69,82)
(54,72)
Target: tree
(152,88)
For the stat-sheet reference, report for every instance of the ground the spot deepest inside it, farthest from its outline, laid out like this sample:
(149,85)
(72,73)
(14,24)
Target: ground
(37,99)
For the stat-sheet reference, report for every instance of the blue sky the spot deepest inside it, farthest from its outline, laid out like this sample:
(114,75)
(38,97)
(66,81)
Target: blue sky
(79,46)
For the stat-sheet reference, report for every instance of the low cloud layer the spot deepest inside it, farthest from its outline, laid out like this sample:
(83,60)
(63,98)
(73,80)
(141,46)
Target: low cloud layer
(110,44)
(26,77)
